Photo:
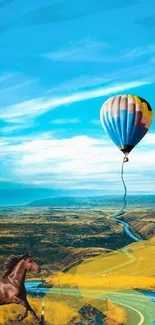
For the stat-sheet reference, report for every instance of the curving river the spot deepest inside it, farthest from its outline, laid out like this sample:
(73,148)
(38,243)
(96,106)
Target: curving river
(127,230)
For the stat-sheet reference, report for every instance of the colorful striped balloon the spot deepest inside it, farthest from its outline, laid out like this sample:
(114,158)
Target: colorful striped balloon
(126,119)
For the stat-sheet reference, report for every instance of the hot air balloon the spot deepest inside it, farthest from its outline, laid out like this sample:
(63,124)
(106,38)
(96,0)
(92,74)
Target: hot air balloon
(126,119)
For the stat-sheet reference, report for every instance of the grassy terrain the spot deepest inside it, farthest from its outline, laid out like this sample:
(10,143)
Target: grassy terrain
(58,237)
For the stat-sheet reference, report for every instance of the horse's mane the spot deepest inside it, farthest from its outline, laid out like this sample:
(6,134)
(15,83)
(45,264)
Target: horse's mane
(12,261)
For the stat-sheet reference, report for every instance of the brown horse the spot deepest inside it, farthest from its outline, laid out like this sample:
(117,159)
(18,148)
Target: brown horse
(12,289)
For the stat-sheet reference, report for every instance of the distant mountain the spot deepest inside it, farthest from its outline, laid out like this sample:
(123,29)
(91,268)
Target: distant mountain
(15,194)
(61,201)
(104,201)
(12,194)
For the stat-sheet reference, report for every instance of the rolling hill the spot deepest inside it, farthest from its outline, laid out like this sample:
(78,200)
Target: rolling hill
(147,201)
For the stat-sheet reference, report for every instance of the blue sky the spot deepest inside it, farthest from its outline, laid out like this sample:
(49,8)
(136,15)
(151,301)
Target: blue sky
(59,61)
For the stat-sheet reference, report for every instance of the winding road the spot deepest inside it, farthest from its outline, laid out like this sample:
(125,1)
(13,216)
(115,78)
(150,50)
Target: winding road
(140,308)
(143,308)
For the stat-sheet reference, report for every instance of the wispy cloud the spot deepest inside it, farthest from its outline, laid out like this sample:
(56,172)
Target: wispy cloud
(95,122)
(82,82)
(38,106)
(15,127)
(14,139)
(140,51)
(6,76)
(139,71)
(86,50)
(17,86)
(66,121)
(97,51)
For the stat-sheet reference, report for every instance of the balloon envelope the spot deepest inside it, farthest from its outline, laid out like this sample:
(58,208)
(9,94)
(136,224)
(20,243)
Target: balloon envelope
(126,119)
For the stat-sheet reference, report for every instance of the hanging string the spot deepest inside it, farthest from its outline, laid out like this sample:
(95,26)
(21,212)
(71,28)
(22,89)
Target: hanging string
(121,211)
(125,188)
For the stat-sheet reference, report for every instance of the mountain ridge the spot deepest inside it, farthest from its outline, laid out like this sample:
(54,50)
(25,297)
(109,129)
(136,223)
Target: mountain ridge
(107,201)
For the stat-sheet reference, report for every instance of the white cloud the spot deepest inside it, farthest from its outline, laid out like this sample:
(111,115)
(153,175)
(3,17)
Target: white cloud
(95,122)
(66,121)
(144,71)
(17,86)
(149,139)
(15,127)
(86,50)
(80,162)
(97,51)
(6,76)
(82,82)
(38,106)
(140,51)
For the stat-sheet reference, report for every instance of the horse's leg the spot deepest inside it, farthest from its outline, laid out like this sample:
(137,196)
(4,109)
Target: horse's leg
(29,308)
(18,301)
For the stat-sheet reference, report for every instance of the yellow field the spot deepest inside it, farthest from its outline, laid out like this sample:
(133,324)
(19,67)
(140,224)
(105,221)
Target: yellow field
(129,268)
(58,313)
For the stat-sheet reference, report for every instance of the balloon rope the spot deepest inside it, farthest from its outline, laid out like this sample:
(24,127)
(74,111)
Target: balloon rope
(125,189)
(125,194)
